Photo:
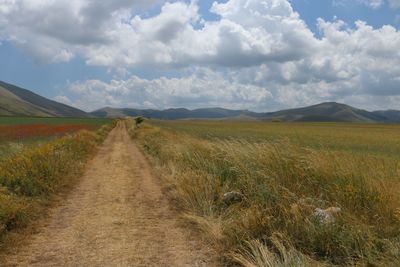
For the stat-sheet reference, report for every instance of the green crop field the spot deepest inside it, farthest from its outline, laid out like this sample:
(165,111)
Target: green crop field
(53,121)
(305,194)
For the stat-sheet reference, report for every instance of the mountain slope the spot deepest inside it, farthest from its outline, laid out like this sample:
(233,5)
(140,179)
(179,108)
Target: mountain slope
(390,115)
(324,112)
(329,111)
(16,101)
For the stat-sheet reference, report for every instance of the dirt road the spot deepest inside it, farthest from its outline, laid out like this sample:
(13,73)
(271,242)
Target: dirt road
(116,216)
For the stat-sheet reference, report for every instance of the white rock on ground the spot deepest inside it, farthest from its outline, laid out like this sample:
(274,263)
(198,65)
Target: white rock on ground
(327,215)
(232,198)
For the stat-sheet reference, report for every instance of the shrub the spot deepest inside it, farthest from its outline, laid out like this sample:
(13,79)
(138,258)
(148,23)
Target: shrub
(138,121)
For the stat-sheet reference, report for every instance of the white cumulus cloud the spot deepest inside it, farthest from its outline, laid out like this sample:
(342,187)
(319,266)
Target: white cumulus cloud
(202,88)
(258,55)
(394,3)
(374,3)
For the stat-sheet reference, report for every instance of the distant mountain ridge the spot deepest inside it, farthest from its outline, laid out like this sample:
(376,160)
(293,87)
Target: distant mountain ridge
(169,114)
(390,115)
(16,101)
(324,112)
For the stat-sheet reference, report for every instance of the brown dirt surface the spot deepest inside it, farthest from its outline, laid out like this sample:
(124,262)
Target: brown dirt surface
(117,215)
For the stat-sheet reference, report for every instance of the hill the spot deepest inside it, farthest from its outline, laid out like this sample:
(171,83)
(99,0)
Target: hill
(170,114)
(390,115)
(324,112)
(16,101)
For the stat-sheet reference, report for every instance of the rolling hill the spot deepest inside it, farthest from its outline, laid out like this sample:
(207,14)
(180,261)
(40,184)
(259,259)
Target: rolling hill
(391,115)
(170,114)
(16,101)
(324,112)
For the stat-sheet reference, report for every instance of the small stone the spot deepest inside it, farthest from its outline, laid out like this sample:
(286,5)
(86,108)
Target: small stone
(397,214)
(326,216)
(232,198)
(118,223)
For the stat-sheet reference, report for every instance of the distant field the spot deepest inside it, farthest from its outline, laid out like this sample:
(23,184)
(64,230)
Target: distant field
(17,133)
(373,139)
(52,121)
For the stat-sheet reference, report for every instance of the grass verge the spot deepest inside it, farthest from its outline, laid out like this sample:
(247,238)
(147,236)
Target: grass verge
(281,187)
(29,178)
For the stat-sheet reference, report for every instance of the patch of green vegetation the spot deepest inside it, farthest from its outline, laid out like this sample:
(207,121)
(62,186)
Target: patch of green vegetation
(8,149)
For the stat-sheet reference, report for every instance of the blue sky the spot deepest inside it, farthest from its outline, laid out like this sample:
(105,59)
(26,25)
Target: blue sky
(191,54)
(346,10)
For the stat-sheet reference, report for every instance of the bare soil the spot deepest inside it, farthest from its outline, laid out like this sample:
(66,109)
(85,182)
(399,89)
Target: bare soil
(116,215)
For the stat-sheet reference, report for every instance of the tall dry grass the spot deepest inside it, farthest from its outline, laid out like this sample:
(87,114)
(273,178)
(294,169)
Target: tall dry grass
(29,178)
(282,184)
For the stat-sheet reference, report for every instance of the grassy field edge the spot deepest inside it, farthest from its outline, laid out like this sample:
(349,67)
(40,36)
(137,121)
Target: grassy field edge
(297,207)
(29,179)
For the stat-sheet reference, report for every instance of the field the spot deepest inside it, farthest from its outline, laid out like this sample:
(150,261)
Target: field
(94,122)
(284,194)
(18,133)
(37,159)
(373,139)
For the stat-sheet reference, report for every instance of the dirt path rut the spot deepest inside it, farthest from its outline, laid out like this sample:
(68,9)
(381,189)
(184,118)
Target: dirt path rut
(116,216)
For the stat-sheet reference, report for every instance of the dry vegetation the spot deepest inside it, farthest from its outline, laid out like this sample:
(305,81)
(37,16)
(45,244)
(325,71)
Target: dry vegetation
(282,182)
(29,178)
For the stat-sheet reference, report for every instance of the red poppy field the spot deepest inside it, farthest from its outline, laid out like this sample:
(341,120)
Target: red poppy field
(22,129)
(19,133)
(22,132)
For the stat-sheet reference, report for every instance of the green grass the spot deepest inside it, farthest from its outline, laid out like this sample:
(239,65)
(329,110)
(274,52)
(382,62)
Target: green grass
(284,172)
(8,149)
(53,121)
